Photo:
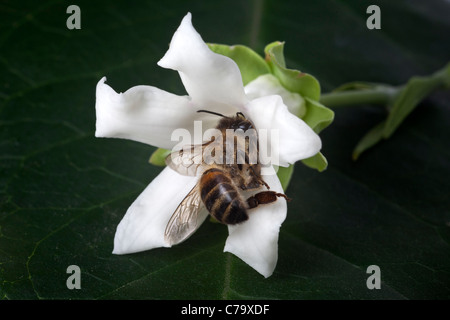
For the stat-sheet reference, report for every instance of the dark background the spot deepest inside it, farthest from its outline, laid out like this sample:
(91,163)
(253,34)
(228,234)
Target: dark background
(63,192)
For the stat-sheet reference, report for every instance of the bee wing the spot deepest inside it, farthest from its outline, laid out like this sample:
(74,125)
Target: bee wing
(188,216)
(188,160)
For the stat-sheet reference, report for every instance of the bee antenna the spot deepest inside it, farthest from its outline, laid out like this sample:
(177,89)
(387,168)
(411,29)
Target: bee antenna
(212,112)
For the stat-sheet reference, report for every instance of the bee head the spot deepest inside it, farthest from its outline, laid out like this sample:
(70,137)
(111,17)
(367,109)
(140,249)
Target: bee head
(241,124)
(237,122)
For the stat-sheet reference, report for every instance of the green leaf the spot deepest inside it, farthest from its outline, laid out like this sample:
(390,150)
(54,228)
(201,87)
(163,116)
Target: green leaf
(63,191)
(251,64)
(400,102)
(371,138)
(411,95)
(293,80)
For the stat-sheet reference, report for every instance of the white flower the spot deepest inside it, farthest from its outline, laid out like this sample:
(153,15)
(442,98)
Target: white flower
(150,115)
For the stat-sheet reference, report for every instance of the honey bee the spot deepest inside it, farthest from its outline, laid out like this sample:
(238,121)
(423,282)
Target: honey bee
(220,190)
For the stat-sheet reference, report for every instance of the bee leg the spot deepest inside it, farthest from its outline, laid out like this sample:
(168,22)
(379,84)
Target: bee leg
(258,177)
(264,198)
(265,184)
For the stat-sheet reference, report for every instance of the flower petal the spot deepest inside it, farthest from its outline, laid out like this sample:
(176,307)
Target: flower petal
(145,114)
(213,81)
(256,240)
(283,137)
(267,85)
(142,227)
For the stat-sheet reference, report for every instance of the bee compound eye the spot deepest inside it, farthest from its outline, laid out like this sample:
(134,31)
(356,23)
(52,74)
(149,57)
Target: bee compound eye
(244,125)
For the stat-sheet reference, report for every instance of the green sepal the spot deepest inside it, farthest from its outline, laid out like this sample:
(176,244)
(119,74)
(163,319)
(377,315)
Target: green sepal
(158,158)
(293,80)
(213,220)
(251,64)
(318,162)
(285,175)
(317,116)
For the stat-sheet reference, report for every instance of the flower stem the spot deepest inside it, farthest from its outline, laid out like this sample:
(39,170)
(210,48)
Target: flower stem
(380,94)
(377,95)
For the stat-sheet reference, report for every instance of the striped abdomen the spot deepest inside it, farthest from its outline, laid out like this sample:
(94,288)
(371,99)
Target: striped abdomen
(221,197)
